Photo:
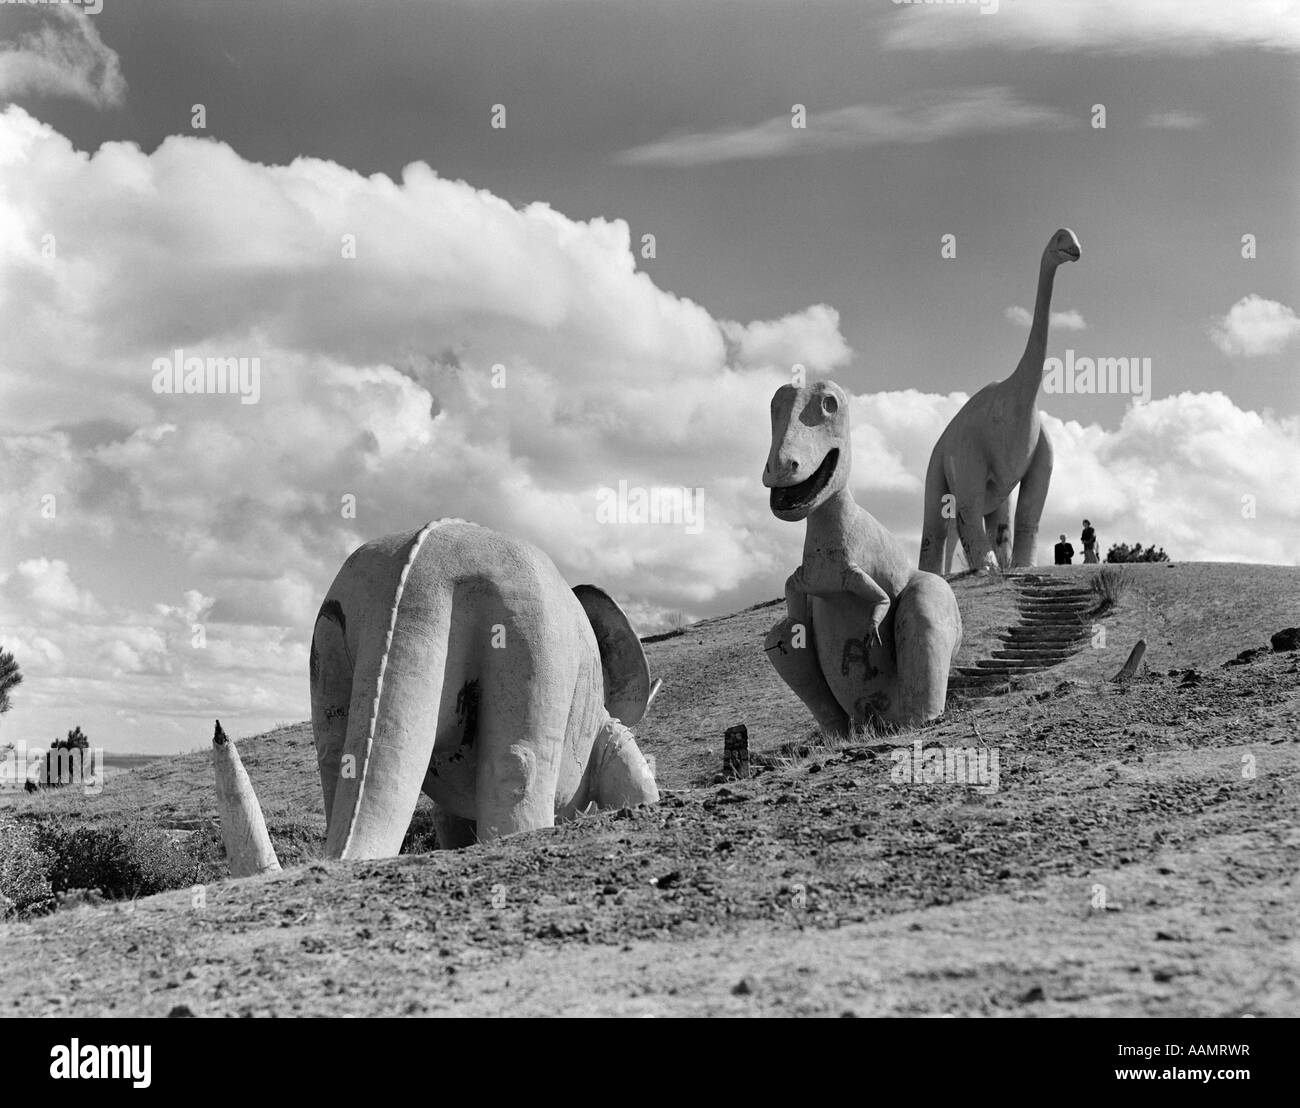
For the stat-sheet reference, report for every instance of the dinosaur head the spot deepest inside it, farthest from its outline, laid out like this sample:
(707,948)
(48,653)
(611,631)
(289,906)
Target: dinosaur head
(810,456)
(1064,247)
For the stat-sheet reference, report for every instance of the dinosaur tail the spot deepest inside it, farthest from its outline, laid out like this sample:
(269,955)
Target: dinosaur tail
(396,697)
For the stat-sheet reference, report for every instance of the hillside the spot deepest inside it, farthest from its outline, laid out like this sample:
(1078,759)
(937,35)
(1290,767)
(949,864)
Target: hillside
(817,886)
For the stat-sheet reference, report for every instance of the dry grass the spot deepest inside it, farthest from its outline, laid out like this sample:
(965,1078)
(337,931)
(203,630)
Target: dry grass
(1108,585)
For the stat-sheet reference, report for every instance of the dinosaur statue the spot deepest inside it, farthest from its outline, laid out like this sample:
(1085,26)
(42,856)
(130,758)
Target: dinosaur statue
(455,661)
(866,637)
(993,444)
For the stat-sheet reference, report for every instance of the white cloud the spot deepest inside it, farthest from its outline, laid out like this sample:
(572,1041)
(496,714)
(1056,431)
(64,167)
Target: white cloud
(1068,320)
(960,112)
(810,338)
(1255,326)
(1113,26)
(48,586)
(377,394)
(1175,473)
(62,56)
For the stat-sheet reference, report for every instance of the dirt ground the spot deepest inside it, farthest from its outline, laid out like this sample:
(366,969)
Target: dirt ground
(1137,857)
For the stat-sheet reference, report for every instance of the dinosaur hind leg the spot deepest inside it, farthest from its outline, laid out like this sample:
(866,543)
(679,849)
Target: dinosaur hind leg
(927,635)
(997,523)
(968,488)
(331,696)
(794,657)
(949,549)
(1029,503)
(523,724)
(936,522)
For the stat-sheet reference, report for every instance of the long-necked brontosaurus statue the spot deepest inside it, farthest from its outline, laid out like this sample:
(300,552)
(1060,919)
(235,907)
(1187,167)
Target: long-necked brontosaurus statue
(993,444)
(866,637)
(456,661)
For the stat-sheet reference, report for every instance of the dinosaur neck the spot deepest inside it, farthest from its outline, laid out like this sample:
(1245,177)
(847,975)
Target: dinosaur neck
(829,519)
(1030,371)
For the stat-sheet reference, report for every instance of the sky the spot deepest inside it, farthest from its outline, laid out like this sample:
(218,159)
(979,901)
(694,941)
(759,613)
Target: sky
(424,226)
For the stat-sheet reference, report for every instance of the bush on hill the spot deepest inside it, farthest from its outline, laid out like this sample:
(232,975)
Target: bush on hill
(1122,552)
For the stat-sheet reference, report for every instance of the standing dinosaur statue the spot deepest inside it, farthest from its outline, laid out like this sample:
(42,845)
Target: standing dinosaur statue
(456,661)
(993,444)
(866,637)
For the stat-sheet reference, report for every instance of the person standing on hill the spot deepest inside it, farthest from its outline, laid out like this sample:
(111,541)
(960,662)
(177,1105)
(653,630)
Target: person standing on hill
(1089,540)
(1064,552)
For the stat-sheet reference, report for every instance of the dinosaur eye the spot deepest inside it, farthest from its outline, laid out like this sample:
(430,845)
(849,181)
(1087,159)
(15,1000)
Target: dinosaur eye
(830,405)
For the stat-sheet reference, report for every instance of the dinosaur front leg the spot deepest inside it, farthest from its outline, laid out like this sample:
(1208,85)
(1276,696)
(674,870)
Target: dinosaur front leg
(974,539)
(623,777)
(1032,498)
(857,582)
(791,649)
(998,524)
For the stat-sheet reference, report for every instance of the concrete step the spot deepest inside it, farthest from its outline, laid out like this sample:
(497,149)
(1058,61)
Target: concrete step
(1047,635)
(1047,657)
(1001,665)
(1053,606)
(1054,616)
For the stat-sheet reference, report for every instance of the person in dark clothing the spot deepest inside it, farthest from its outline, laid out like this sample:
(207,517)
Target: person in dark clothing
(1089,540)
(1064,552)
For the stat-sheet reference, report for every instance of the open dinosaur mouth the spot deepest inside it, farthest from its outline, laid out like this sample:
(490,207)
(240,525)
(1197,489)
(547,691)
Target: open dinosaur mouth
(789,498)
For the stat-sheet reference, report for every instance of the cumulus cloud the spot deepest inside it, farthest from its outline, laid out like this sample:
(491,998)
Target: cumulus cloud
(1111,26)
(1255,326)
(378,410)
(1068,320)
(810,338)
(1193,473)
(989,110)
(48,586)
(473,359)
(62,55)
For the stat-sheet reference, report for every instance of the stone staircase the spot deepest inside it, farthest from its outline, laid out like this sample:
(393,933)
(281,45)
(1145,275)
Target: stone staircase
(1053,625)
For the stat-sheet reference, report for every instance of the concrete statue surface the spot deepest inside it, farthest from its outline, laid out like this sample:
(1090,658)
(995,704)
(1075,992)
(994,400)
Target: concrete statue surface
(866,637)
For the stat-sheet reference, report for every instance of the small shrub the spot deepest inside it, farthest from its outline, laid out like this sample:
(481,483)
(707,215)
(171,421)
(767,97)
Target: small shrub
(422,835)
(1122,552)
(121,861)
(24,871)
(1108,585)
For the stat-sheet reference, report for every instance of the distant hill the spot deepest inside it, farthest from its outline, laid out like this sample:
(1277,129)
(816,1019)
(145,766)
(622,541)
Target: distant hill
(716,675)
